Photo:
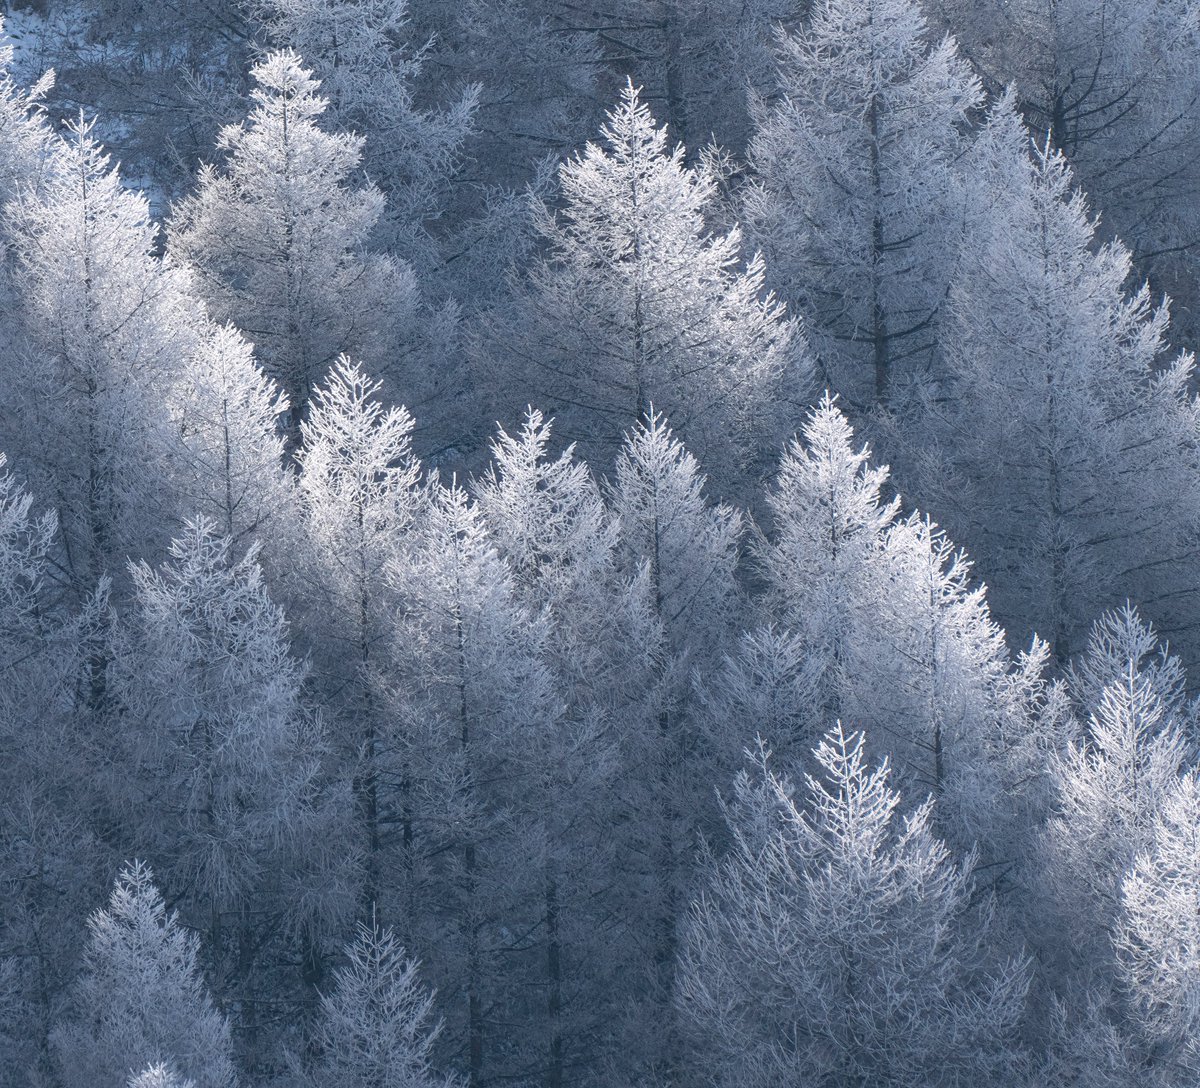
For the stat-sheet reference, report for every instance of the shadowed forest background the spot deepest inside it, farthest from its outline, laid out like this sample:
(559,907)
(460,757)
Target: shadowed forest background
(633,545)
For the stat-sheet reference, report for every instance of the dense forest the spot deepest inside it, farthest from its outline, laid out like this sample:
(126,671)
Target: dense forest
(613,543)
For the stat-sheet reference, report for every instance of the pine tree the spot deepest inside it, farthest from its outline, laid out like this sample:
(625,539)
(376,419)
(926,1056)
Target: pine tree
(855,201)
(636,303)
(278,239)
(141,999)
(837,943)
(1066,432)
(681,552)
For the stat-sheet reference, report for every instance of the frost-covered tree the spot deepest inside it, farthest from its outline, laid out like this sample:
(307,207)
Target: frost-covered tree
(539,70)
(102,324)
(828,524)
(1066,431)
(278,237)
(26,140)
(159,1075)
(636,303)
(141,999)
(855,201)
(1115,87)
(681,551)
(897,637)
(229,465)
(361,502)
(476,713)
(1110,785)
(47,779)
(838,943)
(376,1028)
(1158,935)
(218,755)
(548,519)
(369,72)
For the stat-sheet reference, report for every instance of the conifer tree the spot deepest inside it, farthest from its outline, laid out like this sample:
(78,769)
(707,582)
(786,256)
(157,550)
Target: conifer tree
(141,999)
(1156,938)
(370,75)
(212,724)
(103,323)
(897,638)
(1066,430)
(855,202)
(548,519)
(362,503)
(26,140)
(829,520)
(636,303)
(838,943)
(1110,785)
(476,713)
(375,1029)
(278,237)
(230,464)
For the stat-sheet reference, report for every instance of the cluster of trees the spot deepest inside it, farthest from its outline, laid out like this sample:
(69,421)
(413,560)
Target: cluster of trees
(611,713)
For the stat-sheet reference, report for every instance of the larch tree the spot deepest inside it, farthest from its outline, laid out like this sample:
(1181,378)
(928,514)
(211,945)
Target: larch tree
(476,711)
(1110,783)
(855,201)
(680,550)
(361,502)
(159,1075)
(1157,938)
(375,1028)
(828,521)
(898,639)
(229,465)
(47,821)
(635,303)
(370,73)
(224,787)
(103,324)
(1065,430)
(539,71)
(278,237)
(839,943)
(141,999)
(26,140)
(548,520)
(1115,88)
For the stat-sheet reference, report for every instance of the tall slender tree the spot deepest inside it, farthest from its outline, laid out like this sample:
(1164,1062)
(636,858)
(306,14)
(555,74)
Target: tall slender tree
(278,238)
(371,74)
(103,323)
(855,200)
(1060,385)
